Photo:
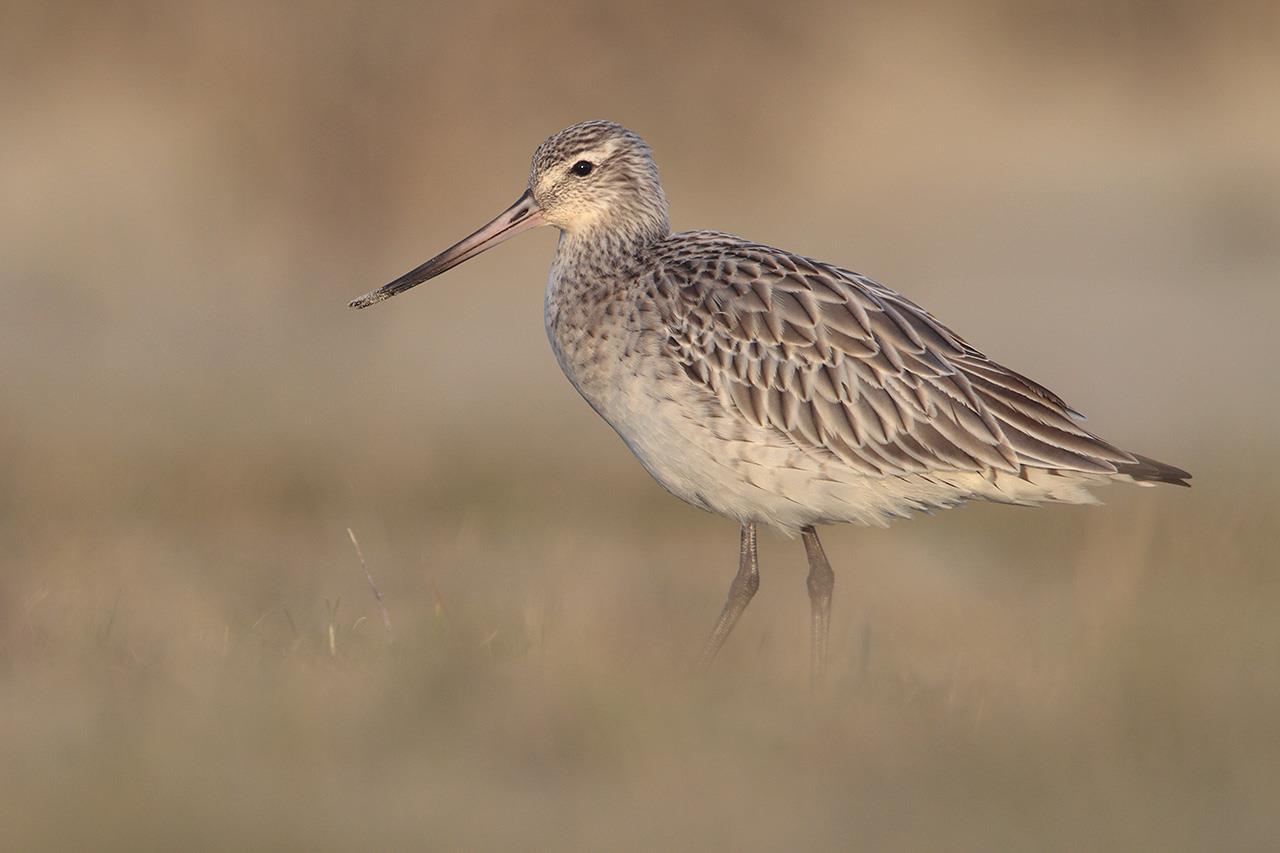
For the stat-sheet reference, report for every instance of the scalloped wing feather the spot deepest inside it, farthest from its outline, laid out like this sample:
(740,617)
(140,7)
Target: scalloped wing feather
(848,369)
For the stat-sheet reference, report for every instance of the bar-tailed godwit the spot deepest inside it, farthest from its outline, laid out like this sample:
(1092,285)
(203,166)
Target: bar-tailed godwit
(771,388)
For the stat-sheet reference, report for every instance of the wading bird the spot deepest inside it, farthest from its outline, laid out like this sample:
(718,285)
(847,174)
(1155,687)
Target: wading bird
(768,387)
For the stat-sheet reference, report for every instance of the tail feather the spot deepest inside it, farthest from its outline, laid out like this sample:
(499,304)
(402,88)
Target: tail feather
(1148,470)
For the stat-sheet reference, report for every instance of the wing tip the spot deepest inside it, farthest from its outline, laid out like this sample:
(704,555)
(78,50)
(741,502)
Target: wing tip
(1148,470)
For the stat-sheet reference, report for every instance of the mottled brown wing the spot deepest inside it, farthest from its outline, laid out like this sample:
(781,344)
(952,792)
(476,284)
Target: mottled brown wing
(846,367)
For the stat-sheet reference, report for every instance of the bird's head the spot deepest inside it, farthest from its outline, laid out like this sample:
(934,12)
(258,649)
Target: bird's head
(597,174)
(592,179)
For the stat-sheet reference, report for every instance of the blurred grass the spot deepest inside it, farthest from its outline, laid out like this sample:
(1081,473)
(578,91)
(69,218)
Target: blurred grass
(191,193)
(1090,677)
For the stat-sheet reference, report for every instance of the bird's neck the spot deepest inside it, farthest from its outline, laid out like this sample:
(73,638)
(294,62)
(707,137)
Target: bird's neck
(612,241)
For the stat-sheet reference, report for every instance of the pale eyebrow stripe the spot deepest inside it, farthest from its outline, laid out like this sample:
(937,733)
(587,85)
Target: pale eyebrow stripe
(598,152)
(595,154)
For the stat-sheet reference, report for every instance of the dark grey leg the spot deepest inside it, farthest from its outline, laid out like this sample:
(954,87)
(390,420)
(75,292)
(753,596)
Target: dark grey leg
(744,586)
(821,581)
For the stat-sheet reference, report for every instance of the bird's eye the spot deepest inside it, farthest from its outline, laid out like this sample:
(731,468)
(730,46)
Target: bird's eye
(582,168)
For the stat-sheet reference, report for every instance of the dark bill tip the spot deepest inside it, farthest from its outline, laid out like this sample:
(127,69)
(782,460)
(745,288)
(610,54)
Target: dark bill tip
(368,299)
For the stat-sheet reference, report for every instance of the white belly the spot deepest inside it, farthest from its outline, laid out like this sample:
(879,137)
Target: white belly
(703,453)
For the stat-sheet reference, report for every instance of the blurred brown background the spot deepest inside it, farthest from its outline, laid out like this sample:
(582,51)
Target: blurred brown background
(189,654)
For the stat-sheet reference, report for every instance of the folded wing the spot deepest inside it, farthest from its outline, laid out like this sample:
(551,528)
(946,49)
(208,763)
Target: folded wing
(847,368)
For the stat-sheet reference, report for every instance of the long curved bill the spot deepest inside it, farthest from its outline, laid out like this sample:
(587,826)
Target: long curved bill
(521,216)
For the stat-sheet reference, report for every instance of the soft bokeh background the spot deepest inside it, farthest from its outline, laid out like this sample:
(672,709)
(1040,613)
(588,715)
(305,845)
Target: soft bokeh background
(190,656)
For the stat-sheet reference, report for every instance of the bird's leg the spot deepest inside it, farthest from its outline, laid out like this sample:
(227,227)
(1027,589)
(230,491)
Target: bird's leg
(744,586)
(821,581)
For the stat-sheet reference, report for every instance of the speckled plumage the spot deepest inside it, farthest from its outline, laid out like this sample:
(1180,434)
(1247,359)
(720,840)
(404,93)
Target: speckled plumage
(769,387)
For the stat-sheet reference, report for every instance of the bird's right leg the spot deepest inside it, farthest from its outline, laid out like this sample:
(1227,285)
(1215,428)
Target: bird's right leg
(744,586)
(821,581)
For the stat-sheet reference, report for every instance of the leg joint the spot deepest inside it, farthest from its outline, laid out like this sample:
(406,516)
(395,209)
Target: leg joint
(821,582)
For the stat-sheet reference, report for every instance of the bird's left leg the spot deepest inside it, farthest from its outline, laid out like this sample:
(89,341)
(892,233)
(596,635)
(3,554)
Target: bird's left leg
(821,581)
(744,586)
